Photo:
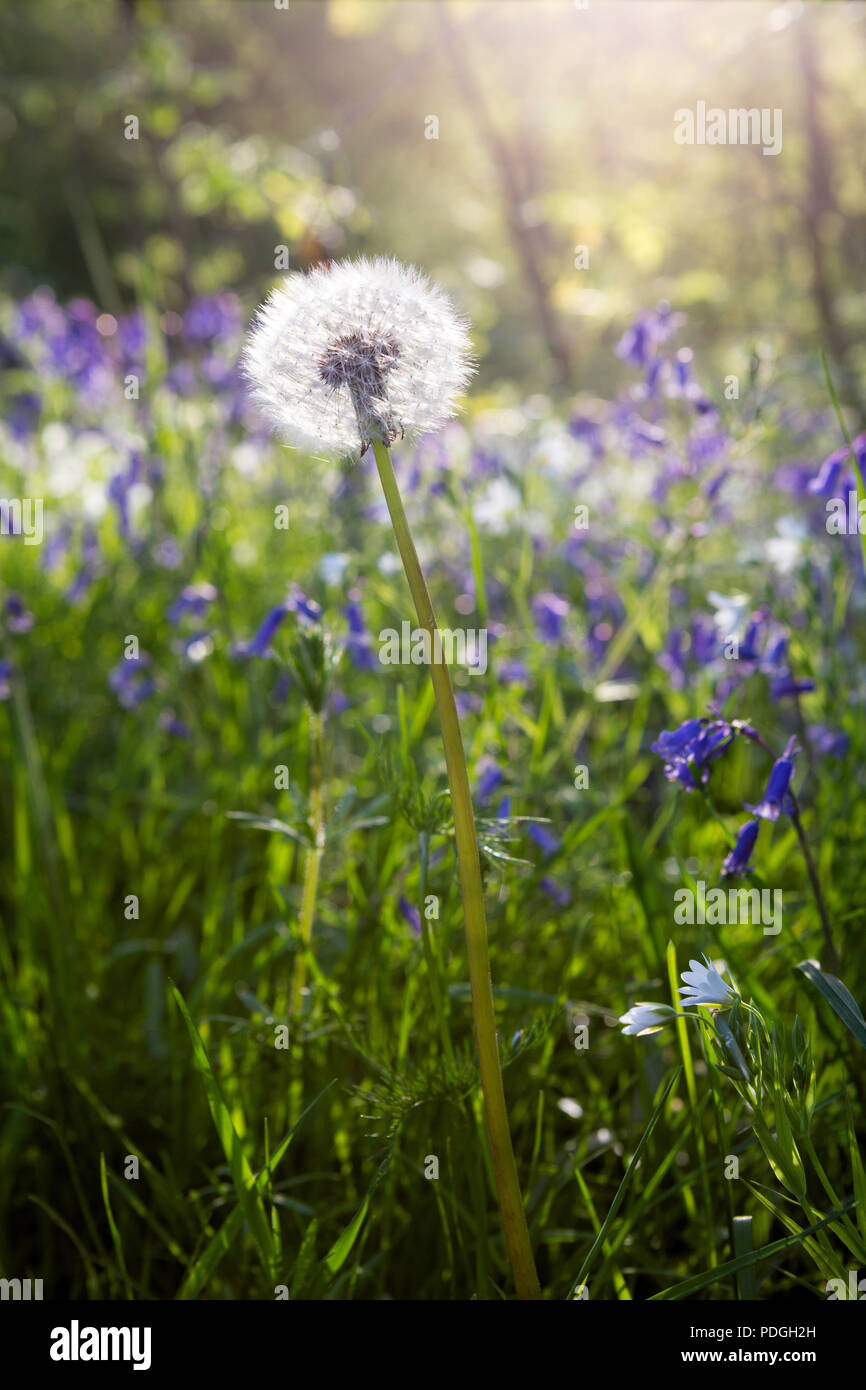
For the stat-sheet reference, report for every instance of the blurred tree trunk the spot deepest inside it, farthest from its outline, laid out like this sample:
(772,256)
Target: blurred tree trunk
(529,239)
(818,201)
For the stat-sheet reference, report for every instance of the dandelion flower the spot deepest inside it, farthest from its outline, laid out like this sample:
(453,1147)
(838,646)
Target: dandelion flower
(704,985)
(362,353)
(354,351)
(643,1018)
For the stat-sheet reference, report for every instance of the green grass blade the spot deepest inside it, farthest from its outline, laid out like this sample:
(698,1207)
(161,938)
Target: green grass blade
(248,1195)
(623,1187)
(840,999)
(712,1276)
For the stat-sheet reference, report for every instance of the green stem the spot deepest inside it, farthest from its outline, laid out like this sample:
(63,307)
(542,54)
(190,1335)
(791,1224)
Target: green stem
(832,953)
(504,1166)
(312,862)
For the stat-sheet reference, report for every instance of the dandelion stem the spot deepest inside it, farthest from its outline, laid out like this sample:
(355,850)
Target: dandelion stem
(504,1166)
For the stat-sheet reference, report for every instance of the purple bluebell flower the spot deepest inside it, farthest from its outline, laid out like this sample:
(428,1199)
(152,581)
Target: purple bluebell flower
(641,434)
(77,589)
(682,368)
(636,344)
(84,577)
(411,914)
(77,352)
(705,641)
(170,723)
(467,703)
(181,379)
(490,777)
(794,478)
(338,701)
(484,465)
(512,672)
(306,610)
(546,841)
(212,316)
(640,342)
(737,861)
(713,486)
(748,649)
(830,743)
(777,800)
(672,659)
(39,315)
(23,413)
(503,810)
(359,644)
(259,644)
(693,746)
(129,682)
(787,684)
(560,894)
(835,476)
(131,336)
(17,618)
(588,432)
(776,656)
(55,548)
(168,554)
(706,443)
(654,374)
(5,675)
(193,601)
(120,487)
(550,612)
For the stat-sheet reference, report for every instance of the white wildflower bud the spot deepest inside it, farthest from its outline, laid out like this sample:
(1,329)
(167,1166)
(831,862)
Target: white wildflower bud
(643,1018)
(354,351)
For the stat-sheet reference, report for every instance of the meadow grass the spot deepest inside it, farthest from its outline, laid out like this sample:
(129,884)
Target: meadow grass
(153,1031)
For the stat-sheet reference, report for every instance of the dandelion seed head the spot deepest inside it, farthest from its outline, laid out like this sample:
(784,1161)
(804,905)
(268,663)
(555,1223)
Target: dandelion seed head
(356,350)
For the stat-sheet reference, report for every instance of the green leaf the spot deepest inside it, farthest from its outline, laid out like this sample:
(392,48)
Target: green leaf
(249,1198)
(712,1276)
(840,999)
(219,1244)
(305,1258)
(340,1250)
(112,1226)
(747,1284)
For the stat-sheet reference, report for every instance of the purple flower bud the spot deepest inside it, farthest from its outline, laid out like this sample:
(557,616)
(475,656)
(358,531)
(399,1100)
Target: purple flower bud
(550,612)
(560,895)
(490,777)
(259,644)
(547,842)
(411,914)
(737,861)
(776,800)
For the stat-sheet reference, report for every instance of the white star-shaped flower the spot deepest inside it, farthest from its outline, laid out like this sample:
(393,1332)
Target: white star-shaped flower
(704,984)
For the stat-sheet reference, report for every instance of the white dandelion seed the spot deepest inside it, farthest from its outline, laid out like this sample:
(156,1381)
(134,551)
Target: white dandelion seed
(645,1018)
(704,985)
(354,351)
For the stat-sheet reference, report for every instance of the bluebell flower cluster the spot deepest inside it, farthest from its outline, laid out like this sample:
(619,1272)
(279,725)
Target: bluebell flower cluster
(689,751)
(130,681)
